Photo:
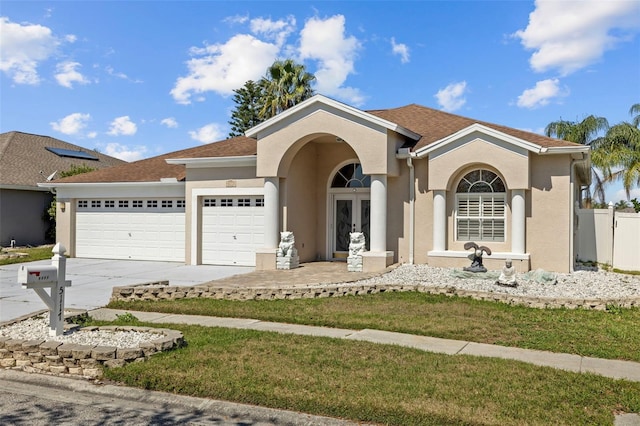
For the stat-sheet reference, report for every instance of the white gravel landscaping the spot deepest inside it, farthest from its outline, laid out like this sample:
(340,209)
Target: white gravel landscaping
(582,284)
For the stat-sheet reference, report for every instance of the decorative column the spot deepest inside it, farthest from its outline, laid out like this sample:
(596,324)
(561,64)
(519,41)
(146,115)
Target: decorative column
(378,232)
(271,209)
(439,220)
(517,221)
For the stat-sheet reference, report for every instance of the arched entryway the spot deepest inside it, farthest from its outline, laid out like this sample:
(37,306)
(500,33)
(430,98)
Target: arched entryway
(349,201)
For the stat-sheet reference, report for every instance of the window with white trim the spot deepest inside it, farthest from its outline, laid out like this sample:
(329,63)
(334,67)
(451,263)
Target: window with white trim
(95,203)
(137,204)
(226,202)
(480,207)
(83,204)
(244,202)
(123,204)
(259,202)
(180,204)
(152,204)
(210,202)
(167,204)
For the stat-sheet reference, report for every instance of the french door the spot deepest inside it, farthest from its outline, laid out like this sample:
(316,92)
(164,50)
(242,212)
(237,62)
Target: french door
(351,213)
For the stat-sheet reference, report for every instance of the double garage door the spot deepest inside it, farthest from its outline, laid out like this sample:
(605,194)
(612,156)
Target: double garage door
(154,229)
(135,229)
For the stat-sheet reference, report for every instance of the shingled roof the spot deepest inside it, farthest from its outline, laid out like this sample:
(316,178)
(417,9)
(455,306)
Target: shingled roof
(433,125)
(156,168)
(25,160)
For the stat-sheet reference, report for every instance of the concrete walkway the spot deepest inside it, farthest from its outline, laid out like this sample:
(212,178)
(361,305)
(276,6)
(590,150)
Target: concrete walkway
(615,369)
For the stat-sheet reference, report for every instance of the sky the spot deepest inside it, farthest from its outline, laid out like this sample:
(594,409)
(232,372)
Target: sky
(136,79)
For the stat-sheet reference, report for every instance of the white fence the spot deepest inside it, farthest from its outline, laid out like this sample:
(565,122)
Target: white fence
(606,236)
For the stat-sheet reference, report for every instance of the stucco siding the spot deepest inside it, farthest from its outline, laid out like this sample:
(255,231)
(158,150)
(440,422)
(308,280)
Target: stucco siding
(548,215)
(423,212)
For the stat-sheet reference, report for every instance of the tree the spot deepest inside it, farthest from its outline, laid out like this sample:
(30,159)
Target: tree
(618,152)
(584,133)
(247,111)
(284,85)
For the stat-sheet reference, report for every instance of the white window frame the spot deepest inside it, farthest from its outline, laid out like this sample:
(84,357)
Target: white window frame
(485,213)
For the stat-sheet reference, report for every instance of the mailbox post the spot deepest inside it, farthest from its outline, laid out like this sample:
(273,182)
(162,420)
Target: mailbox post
(38,278)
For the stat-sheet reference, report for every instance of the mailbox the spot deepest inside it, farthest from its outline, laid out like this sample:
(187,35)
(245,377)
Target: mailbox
(37,274)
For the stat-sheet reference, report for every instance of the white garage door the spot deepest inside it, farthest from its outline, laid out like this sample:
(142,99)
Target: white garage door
(232,230)
(136,229)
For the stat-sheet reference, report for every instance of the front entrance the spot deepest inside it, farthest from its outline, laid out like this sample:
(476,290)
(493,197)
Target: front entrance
(351,213)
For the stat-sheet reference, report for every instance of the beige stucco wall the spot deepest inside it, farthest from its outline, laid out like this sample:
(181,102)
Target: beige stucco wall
(374,148)
(446,164)
(548,213)
(66,225)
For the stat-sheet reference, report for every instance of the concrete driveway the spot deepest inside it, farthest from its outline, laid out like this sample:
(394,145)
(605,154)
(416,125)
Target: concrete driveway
(93,279)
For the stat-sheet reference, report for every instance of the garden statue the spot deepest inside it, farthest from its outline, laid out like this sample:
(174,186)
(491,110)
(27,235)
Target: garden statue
(287,255)
(356,247)
(476,257)
(508,275)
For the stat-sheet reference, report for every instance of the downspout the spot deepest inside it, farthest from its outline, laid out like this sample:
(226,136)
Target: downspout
(405,153)
(412,190)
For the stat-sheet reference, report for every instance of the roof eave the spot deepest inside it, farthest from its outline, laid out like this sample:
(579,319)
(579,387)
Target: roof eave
(215,162)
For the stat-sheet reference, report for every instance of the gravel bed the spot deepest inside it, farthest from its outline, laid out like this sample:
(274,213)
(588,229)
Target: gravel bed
(37,328)
(582,284)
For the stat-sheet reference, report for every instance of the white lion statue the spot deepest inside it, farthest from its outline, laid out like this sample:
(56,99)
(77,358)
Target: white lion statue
(356,244)
(287,240)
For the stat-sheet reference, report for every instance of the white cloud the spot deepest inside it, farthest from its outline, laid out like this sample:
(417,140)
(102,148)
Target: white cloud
(72,124)
(277,31)
(237,19)
(324,40)
(540,95)
(67,74)
(452,97)
(122,126)
(570,35)
(210,133)
(400,49)
(124,152)
(170,122)
(23,48)
(120,75)
(221,68)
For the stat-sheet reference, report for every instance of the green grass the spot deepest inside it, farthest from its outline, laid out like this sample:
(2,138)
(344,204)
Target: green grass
(33,253)
(383,384)
(604,334)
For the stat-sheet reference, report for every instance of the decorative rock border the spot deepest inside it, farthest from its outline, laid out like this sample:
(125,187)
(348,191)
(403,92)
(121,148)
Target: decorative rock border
(332,290)
(51,356)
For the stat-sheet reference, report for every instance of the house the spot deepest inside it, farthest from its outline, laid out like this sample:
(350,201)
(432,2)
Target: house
(25,161)
(418,182)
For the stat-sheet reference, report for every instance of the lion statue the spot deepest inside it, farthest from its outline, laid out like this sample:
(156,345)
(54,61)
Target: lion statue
(356,244)
(287,240)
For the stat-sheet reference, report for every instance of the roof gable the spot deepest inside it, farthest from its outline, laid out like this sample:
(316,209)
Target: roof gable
(319,102)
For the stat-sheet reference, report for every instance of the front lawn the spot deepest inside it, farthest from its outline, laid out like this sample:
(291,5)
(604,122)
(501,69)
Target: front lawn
(612,334)
(9,256)
(383,384)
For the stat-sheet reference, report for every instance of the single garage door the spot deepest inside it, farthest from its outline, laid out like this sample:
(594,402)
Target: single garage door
(136,229)
(232,230)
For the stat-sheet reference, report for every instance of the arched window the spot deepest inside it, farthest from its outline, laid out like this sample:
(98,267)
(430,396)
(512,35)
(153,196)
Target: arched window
(351,176)
(480,207)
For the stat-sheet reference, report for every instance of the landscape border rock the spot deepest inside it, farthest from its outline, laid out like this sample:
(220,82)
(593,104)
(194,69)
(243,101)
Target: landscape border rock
(333,290)
(55,357)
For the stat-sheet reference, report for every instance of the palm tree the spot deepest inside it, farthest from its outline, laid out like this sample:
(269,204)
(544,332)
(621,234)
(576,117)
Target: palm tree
(583,132)
(285,85)
(618,152)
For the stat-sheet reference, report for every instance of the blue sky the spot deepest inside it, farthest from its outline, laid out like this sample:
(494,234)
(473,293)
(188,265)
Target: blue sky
(135,79)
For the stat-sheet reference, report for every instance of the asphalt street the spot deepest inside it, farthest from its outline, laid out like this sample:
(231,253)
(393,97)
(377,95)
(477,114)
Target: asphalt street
(42,400)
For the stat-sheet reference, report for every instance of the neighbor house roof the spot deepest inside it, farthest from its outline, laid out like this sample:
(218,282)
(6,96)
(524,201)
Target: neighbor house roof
(429,124)
(27,159)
